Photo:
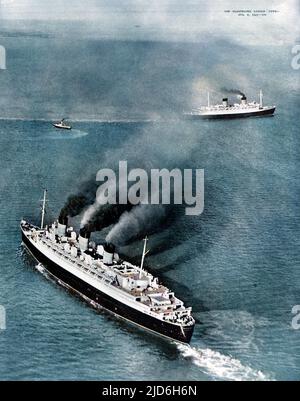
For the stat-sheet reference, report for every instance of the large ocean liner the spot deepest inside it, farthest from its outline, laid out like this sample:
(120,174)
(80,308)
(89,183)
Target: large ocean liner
(236,110)
(97,274)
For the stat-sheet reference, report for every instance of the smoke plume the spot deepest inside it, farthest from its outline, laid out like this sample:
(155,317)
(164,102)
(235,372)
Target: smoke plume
(93,209)
(233,91)
(77,202)
(134,221)
(141,220)
(105,216)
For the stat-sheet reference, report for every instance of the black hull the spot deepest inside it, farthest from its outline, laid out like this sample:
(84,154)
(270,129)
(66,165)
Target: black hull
(262,113)
(117,308)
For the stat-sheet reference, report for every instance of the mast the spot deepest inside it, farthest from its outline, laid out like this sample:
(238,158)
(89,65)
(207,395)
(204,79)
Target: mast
(143,256)
(261,99)
(208,99)
(44,208)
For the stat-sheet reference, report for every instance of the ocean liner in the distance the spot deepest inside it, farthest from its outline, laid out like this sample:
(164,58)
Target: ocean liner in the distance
(99,276)
(236,110)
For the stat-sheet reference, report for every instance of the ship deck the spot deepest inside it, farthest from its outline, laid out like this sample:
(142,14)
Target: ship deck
(151,297)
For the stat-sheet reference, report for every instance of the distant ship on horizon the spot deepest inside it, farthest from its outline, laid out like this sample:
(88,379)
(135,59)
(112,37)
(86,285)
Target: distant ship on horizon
(236,110)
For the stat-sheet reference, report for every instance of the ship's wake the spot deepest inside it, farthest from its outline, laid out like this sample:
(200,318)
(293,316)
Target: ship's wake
(59,134)
(213,363)
(41,269)
(72,134)
(219,366)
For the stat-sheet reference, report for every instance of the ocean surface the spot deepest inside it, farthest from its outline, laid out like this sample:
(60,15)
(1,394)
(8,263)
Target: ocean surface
(237,264)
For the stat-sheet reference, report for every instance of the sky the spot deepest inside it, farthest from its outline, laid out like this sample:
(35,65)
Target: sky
(167,20)
(157,56)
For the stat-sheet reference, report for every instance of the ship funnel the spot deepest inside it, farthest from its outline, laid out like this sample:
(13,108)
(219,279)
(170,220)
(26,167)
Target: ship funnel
(108,253)
(225,102)
(83,239)
(62,226)
(243,100)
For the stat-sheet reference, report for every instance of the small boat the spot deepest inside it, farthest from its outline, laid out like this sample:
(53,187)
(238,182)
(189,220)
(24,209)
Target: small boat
(62,125)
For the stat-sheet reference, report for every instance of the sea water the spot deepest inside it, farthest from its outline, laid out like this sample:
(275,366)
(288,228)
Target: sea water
(237,264)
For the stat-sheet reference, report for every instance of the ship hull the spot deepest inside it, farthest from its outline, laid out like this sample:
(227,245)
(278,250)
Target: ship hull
(259,113)
(86,291)
(61,127)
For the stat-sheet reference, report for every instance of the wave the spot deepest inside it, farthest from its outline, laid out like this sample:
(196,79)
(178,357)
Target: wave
(73,134)
(59,135)
(41,268)
(219,366)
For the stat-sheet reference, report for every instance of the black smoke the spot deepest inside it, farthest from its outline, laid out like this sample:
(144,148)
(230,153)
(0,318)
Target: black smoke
(106,215)
(233,91)
(84,233)
(77,202)
(144,220)
(140,221)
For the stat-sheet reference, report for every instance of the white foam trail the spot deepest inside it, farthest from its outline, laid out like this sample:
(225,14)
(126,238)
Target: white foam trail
(40,268)
(73,134)
(221,367)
